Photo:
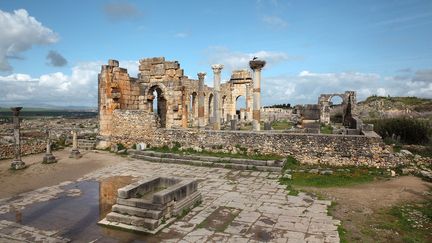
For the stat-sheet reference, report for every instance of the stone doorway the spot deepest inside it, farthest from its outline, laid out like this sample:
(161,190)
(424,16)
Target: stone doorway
(160,106)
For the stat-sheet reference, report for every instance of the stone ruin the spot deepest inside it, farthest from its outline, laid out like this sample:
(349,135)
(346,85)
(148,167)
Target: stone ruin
(179,100)
(148,205)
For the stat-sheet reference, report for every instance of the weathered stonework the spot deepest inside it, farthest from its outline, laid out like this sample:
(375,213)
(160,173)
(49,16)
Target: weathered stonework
(176,96)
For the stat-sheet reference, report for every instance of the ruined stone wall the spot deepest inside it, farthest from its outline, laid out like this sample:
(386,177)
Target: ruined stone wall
(133,124)
(275,114)
(30,146)
(334,150)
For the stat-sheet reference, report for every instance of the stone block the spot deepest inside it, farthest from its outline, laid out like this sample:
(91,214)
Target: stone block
(113,63)
(172,65)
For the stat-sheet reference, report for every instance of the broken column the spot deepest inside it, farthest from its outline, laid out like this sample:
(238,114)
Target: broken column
(201,119)
(217,107)
(256,66)
(75,153)
(17,163)
(49,157)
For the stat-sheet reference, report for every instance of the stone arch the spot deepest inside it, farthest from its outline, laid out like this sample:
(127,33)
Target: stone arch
(193,108)
(158,91)
(240,107)
(348,103)
(210,106)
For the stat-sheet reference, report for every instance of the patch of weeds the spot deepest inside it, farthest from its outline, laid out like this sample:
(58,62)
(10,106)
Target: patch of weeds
(183,213)
(326,129)
(163,220)
(342,234)
(120,146)
(290,163)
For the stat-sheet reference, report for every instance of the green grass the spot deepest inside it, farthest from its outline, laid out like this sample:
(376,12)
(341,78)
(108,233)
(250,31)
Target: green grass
(413,222)
(281,125)
(355,175)
(326,129)
(242,154)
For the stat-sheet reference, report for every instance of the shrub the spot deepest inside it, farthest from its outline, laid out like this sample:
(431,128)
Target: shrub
(407,131)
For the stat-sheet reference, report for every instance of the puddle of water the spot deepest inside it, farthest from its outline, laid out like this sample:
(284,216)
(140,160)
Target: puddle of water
(76,217)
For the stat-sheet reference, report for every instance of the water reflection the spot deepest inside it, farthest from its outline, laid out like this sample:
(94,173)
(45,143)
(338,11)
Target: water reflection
(108,192)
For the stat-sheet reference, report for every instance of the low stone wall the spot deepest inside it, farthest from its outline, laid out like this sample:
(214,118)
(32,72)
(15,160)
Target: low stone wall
(334,150)
(32,146)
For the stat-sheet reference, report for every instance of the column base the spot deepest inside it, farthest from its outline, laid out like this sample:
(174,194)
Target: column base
(18,165)
(256,126)
(49,159)
(75,153)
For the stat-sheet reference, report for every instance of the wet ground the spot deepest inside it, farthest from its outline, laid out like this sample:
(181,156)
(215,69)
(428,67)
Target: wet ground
(238,206)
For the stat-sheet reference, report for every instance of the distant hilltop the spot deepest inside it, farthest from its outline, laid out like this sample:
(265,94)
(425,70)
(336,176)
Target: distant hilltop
(375,107)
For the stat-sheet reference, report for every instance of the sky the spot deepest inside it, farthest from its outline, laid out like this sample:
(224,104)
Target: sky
(51,51)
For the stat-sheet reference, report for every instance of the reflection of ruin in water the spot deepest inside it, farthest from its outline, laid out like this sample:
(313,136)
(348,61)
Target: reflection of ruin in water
(108,192)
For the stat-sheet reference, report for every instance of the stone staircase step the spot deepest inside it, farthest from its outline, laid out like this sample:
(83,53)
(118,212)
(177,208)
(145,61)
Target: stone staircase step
(139,212)
(133,220)
(230,163)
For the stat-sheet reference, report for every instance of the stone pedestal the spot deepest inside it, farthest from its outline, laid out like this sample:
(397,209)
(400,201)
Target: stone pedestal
(75,153)
(49,158)
(17,163)
(217,99)
(267,126)
(256,66)
(234,124)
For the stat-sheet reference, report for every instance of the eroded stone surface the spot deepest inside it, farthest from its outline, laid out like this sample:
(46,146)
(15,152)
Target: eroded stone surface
(266,212)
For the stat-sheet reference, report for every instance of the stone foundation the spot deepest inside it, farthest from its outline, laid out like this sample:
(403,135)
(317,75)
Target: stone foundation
(148,205)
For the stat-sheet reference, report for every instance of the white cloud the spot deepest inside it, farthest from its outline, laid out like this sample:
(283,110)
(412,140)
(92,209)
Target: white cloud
(274,21)
(19,32)
(78,88)
(306,86)
(181,35)
(238,60)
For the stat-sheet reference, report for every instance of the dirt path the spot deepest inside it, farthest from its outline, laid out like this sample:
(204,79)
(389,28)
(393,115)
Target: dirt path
(39,175)
(358,206)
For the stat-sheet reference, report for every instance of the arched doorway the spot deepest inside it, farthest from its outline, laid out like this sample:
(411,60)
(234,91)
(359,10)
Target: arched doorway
(336,103)
(240,107)
(210,107)
(193,108)
(158,105)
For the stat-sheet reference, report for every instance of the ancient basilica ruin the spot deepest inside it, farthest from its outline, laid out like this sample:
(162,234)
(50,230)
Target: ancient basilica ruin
(162,107)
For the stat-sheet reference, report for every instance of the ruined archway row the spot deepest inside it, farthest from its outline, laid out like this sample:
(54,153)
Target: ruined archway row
(168,97)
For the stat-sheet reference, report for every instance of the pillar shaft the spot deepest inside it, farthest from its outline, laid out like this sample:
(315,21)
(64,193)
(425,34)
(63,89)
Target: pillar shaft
(17,163)
(201,120)
(256,66)
(74,140)
(249,103)
(217,109)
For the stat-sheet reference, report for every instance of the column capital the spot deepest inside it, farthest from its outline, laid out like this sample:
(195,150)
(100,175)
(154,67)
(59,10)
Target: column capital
(16,110)
(217,68)
(201,75)
(257,65)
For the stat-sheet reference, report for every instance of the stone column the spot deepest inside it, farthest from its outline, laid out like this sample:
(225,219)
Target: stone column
(17,163)
(75,153)
(256,66)
(184,108)
(201,119)
(49,157)
(249,102)
(217,68)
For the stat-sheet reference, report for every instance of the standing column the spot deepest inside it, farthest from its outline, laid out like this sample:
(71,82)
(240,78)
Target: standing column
(17,163)
(249,102)
(75,153)
(217,107)
(201,119)
(256,66)
(49,157)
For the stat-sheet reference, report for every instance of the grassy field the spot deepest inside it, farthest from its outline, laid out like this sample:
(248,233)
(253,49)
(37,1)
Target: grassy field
(29,113)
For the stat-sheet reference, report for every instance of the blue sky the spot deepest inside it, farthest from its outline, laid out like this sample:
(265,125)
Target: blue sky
(51,51)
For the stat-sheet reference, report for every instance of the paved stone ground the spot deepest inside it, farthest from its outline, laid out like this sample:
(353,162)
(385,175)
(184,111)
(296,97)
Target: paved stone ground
(260,208)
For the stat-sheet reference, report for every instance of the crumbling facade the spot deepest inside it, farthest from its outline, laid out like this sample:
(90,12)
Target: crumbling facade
(165,98)
(349,101)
